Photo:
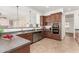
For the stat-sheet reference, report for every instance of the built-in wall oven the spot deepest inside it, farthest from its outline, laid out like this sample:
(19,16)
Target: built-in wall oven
(55,28)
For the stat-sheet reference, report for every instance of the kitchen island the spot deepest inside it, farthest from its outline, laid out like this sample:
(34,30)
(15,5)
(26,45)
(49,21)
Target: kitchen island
(16,45)
(22,38)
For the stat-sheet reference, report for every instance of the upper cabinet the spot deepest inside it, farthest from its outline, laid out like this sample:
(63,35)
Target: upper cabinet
(41,20)
(50,19)
(56,17)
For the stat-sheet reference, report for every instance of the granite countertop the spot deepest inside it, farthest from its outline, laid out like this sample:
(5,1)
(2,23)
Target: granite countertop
(21,30)
(17,41)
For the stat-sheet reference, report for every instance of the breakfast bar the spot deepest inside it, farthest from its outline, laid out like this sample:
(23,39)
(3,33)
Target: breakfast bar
(20,42)
(16,45)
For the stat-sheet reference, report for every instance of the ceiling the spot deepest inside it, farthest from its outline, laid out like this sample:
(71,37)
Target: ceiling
(44,9)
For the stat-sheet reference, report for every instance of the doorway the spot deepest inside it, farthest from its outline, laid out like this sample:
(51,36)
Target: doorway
(69,25)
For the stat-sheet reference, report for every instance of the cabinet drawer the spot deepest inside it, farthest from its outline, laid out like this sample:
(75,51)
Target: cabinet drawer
(56,36)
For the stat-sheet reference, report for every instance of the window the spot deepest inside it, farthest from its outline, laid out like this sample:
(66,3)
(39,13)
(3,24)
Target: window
(4,22)
(19,23)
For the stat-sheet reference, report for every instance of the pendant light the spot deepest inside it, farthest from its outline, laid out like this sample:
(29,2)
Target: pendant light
(30,15)
(30,18)
(17,16)
(17,13)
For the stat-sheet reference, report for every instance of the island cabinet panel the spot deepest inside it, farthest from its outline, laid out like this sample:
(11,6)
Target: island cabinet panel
(21,49)
(28,36)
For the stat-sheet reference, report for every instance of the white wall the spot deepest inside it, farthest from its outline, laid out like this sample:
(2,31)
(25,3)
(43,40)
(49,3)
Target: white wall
(76,19)
(9,12)
(63,26)
(54,11)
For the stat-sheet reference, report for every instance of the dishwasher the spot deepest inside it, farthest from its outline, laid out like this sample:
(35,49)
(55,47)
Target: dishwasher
(37,36)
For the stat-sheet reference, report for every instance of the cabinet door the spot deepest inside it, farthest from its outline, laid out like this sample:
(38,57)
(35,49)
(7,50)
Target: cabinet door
(44,21)
(28,36)
(56,37)
(53,17)
(58,17)
(48,20)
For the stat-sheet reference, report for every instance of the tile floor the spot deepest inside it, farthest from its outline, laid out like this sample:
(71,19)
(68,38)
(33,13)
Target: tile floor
(46,45)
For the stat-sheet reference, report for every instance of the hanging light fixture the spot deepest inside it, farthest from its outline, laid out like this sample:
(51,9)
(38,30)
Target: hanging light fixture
(17,13)
(30,15)
(30,18)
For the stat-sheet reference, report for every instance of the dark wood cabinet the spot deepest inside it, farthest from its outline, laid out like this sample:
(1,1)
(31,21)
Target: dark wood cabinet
(49,20)
(56,17)
(33,37)
(50,35)
(28,36)
(46,20)
(52,16)
(21,49)
(42,20)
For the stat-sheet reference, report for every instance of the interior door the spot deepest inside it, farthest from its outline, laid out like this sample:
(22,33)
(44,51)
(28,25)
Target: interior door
(69,26)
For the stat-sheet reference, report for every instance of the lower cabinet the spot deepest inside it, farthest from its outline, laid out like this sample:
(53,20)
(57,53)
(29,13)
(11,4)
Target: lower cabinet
(21,49)
(28,36)
(48,34)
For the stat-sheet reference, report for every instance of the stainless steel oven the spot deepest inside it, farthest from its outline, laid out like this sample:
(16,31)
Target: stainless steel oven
(55,28)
